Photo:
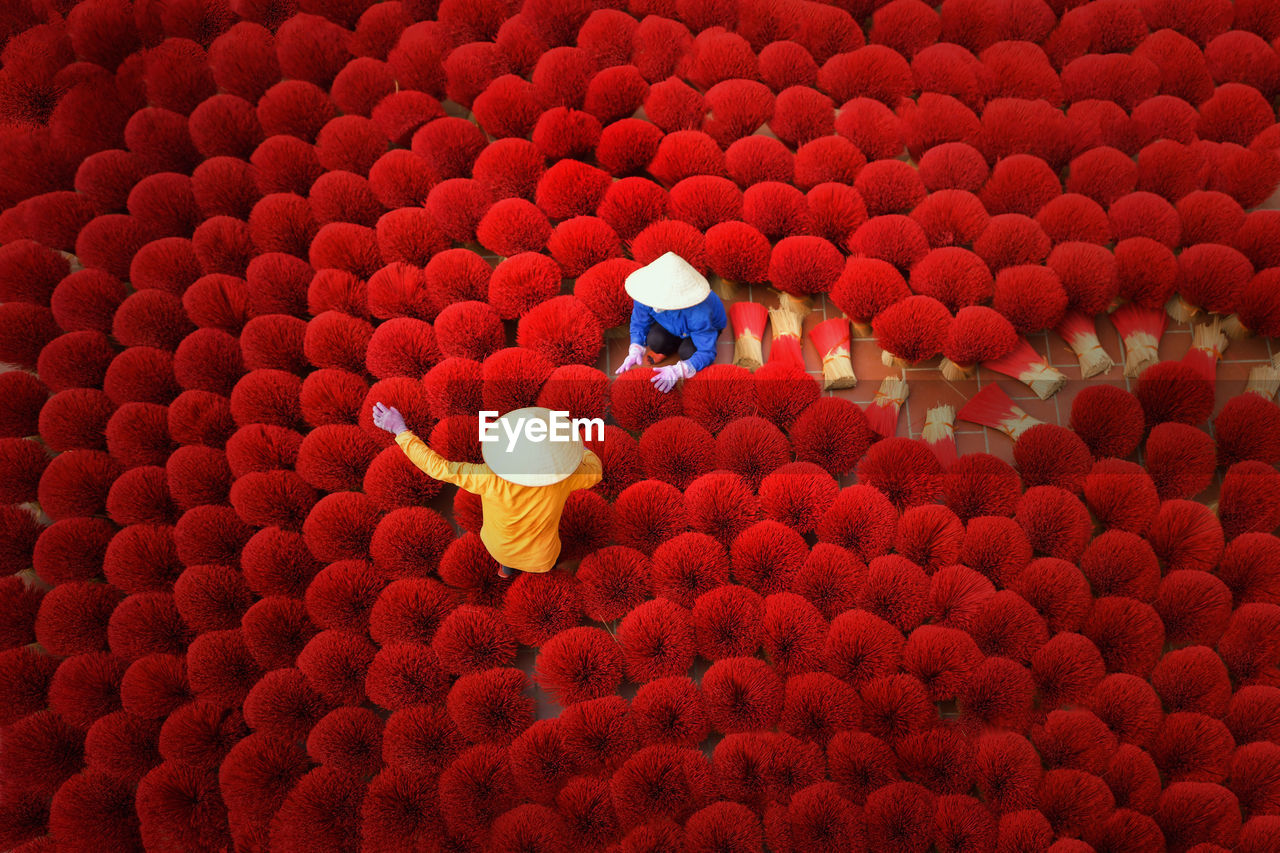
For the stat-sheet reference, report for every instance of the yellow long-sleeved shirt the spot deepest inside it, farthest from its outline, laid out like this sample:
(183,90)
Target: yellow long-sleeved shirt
(521,523)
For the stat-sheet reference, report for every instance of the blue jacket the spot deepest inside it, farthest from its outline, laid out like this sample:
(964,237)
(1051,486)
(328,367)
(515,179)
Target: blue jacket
(702,322)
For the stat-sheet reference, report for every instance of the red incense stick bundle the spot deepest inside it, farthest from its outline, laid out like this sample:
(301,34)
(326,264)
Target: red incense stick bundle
(1257,307)
(748,319)
(1208,343)
(1028,367)
(991,407)
(882,414)
(1081,334)
(1141,330)
(976,334)
(831,339)
(787,321)
(940,434)
(911,331)
(1248,428)
(1210,278)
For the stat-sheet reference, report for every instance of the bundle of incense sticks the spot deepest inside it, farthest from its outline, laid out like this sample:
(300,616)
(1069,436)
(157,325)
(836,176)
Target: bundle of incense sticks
(882,414)
(1141,330)
(787,321)
(832,340)
(940,434)
(1081,334)
(991,407)
(975,334)
(1179,309)
(1265,380)
(1234,328)
(724,288)
(1028,367)
(1208,343)
(955,372)
(749,319)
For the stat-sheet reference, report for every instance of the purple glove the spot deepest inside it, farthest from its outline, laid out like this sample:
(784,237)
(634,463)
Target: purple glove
(634,354)
(388,418)
(665,378)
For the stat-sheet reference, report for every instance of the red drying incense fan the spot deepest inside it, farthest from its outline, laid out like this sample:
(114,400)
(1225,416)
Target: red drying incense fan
(1210,278)
(882,414)
(1080,333)
(832,340)
(940,434)
(1028,367)
(1141,330)
(749,319)
(1248,427)
(1208,343)
(787,321)
(977,333)
(1088,274)
(1108,419)
(991,407)
(1257,308)
(911,331)
(1180,459)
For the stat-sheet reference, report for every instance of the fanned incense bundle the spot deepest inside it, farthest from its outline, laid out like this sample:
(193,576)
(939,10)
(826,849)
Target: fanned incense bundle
(1208,343)
(1257,306)
(1141,330)
(788,322)
(749,319)
(832,340)
(940,434)
(1028,367)
(882,414)
(976,334)
(1211,276)
(911,331)
(991,407)
(1081,334)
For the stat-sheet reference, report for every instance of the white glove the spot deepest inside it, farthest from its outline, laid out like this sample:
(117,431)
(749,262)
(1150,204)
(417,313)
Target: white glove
(634,354)
(388,418)
(665,378)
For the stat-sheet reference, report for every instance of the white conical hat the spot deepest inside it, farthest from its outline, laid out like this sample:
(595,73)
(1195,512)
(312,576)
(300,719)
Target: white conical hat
(669,283)
(529,462)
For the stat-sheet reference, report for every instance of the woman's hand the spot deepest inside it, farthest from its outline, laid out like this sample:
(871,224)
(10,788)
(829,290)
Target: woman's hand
(634,354)
(665,378)
(388,418)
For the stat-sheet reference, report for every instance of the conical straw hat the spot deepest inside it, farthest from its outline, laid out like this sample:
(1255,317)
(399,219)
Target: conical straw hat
(529,462)
(668,284)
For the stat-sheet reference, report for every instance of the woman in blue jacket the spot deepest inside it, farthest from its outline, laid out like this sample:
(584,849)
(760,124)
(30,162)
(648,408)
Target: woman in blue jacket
(675,312)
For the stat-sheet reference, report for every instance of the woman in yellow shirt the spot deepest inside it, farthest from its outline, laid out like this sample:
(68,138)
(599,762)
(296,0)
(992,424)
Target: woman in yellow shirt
(523,484)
